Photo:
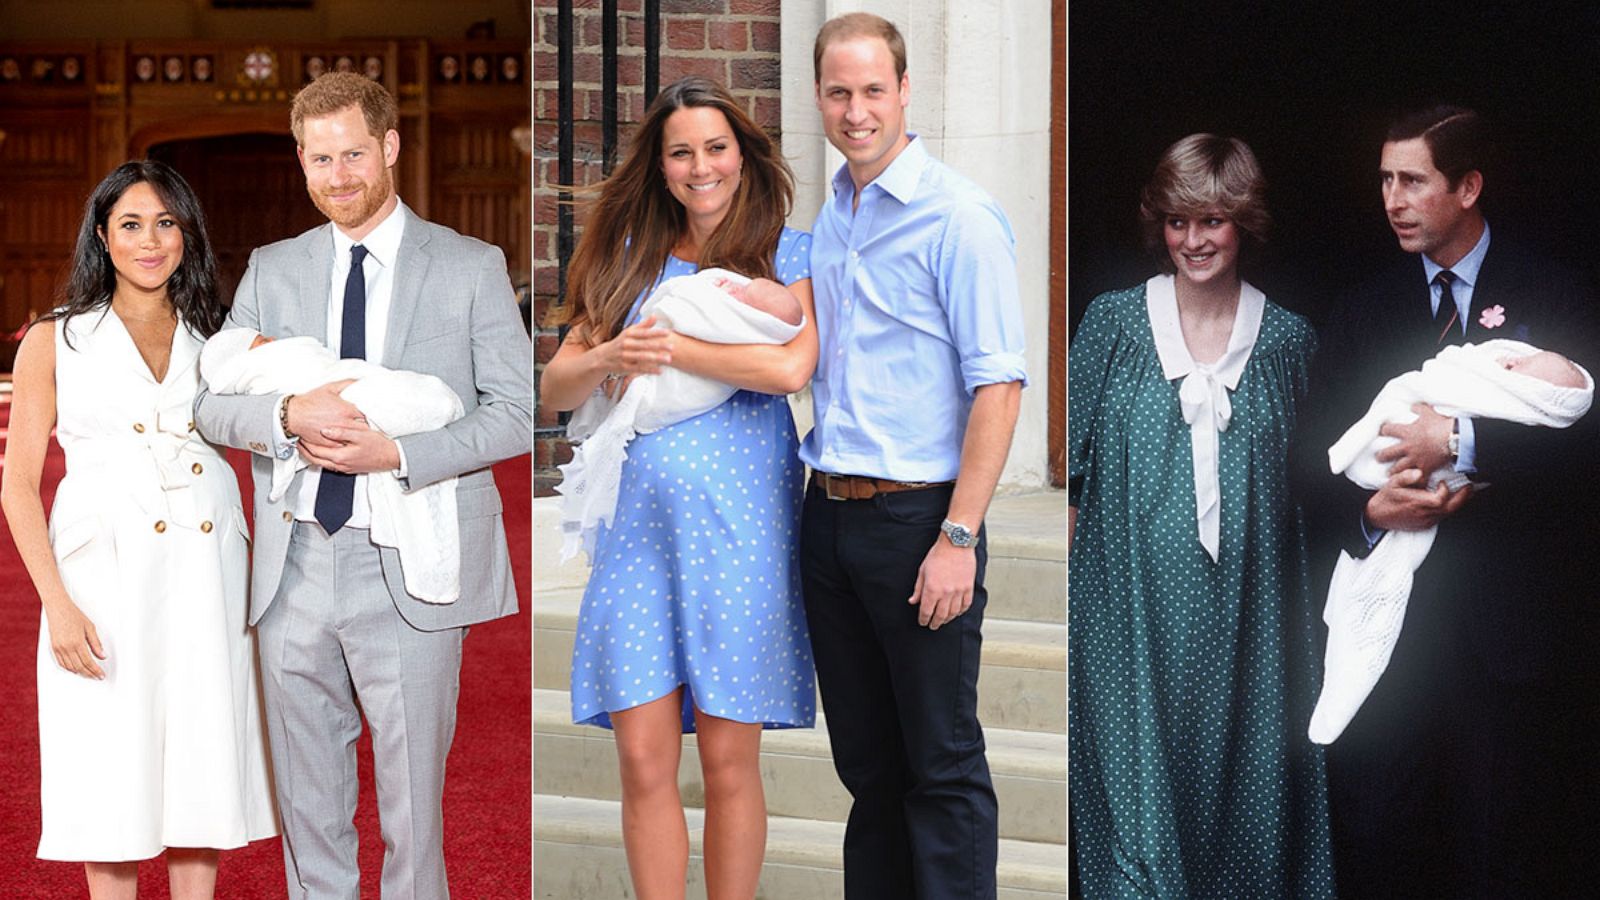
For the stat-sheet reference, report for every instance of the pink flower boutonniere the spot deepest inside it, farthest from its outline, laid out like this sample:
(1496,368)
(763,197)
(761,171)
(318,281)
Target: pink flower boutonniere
(1493,317)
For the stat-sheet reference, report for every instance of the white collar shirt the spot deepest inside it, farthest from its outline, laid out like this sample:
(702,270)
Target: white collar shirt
(1203,394)
(383,249)
(1465,281)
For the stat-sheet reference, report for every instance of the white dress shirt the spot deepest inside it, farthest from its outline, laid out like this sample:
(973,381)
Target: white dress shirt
(383,247)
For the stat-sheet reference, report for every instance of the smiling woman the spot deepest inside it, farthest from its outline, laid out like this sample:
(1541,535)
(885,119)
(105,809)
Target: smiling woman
(1203,246)
(703,186)
(1190,617)
(141,569)
(702,165)
(144,241)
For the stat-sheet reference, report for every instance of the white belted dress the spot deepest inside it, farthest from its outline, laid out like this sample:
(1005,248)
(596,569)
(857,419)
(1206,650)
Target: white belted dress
(152,545)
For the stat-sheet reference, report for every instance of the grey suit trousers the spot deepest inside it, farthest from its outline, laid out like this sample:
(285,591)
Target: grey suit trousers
(331,639)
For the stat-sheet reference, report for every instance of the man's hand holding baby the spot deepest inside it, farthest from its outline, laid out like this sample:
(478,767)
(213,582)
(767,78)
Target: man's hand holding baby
(356,450)
(1406,502)
(1424,444)
(334,435)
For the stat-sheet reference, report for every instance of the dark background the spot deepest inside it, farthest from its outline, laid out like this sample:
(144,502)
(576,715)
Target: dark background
(1311,88)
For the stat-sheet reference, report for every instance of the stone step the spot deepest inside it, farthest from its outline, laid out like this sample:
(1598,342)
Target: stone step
(577,855)
(1022,683)
(1030,524)
(1027,573)
(1029,771)
(1030,590)
(1026,577)
(548,570)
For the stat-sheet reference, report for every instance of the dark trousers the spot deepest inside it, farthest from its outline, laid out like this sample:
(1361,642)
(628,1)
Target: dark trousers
(901,700)
(1448,784)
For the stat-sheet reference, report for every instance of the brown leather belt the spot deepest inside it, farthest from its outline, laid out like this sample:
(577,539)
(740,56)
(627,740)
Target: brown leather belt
(861,487)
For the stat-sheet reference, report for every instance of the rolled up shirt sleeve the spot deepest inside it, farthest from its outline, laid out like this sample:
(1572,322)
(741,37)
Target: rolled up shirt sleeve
(978,290)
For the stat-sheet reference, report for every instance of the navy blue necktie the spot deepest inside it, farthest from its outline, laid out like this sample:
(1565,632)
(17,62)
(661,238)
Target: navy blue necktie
(337,490)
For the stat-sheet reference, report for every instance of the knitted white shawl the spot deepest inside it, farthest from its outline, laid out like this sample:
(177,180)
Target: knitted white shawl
(420,524)
(1367,597)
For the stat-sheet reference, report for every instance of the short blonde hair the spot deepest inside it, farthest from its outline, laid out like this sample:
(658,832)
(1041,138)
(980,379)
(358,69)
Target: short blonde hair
(1199,173)
(859,25)
(338,91)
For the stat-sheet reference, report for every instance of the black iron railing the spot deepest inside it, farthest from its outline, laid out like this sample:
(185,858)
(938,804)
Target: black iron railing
(566,119)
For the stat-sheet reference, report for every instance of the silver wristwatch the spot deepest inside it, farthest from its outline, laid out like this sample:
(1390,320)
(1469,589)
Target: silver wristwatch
(959,535)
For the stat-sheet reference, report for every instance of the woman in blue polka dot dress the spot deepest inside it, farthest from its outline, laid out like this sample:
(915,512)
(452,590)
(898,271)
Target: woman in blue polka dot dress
(692,619)
(1193,658)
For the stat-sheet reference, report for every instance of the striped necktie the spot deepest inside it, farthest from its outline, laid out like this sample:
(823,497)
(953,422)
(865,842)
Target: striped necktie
(1447,301)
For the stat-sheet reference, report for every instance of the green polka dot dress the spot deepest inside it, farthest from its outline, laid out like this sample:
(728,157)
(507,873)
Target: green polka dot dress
(1191,682)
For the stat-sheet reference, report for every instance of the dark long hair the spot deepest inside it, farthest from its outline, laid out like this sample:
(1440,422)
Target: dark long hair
(634,209)
(192,287)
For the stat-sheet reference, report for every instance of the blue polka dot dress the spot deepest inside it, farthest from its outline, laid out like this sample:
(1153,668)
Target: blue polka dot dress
(1190,682)
(697,581)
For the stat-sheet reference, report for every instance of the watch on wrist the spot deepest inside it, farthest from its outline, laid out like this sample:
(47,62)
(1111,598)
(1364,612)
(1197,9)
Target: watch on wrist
(959,535)
(1453,443)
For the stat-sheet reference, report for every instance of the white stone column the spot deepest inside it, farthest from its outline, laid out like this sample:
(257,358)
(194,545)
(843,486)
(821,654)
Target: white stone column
(980,97)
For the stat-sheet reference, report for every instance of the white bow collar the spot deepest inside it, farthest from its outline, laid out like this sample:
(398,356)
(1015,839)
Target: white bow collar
(1203,395)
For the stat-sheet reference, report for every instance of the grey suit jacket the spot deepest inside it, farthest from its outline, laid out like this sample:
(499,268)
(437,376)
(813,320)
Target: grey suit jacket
(453,315)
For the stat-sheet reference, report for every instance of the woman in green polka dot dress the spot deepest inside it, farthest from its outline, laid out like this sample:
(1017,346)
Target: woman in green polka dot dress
(1193,657)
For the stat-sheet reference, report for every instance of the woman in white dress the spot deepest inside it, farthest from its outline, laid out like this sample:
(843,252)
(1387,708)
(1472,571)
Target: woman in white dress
(150,726)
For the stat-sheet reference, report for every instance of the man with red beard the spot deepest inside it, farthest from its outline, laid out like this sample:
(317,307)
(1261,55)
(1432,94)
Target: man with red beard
(335,624)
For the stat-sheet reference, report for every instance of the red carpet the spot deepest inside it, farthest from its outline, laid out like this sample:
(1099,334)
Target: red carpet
(488,795)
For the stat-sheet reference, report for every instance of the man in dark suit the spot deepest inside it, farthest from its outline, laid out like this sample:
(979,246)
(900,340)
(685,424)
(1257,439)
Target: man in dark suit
(1469,770)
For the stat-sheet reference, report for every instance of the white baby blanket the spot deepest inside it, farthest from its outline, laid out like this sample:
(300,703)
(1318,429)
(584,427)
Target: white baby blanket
(690,305)
(422,524)
(1367,597)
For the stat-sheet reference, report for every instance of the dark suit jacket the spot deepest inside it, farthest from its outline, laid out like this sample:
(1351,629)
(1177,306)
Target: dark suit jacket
(1510,587)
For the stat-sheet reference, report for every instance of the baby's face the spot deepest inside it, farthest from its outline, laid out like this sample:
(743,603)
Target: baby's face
(1546,366)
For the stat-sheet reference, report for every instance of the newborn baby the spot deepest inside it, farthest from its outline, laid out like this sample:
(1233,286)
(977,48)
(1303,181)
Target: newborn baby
(422,524)
(781,305)
(1547,366)
(1367,597)
(710,305)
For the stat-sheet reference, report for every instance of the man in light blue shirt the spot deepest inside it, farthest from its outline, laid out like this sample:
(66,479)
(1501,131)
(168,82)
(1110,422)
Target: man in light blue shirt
(916,394)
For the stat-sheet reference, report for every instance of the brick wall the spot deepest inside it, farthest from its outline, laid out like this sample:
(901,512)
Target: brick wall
(735,42)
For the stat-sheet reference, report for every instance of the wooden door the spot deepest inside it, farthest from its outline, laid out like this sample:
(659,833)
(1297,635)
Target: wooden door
(252,191)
